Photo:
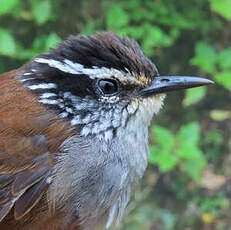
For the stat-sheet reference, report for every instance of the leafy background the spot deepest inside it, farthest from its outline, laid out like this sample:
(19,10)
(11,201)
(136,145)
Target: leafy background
(187,184)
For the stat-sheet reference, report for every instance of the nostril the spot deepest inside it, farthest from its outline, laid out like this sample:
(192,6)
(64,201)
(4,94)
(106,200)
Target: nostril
(165,80)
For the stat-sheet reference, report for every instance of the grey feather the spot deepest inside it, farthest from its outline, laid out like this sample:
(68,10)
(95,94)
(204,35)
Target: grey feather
(93,177)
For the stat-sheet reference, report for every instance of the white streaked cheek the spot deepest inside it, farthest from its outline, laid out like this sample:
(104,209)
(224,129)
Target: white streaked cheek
(42,86)
(63,114)
(49,102)
(47,95)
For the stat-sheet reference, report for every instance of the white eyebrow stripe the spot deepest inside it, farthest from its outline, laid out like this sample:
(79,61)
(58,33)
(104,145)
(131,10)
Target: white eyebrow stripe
(75,66)
(42,86)
(68,66)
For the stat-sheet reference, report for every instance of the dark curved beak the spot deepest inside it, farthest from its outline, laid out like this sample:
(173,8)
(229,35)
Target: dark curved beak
(165,84)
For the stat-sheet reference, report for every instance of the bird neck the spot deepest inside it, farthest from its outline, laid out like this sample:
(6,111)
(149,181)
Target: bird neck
(101,172)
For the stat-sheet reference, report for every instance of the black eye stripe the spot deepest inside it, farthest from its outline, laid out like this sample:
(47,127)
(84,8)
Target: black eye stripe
(108,87)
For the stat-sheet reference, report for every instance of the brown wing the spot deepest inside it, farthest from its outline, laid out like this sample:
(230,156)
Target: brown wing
(29,138)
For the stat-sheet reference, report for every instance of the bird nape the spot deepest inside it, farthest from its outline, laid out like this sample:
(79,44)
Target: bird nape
(74,132)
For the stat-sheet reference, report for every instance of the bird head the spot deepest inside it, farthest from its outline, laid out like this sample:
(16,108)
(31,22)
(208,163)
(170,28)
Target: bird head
(100,82)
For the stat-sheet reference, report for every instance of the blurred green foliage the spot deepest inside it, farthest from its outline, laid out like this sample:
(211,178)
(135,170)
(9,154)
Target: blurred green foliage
(39,12)
(178,152)
(187,183)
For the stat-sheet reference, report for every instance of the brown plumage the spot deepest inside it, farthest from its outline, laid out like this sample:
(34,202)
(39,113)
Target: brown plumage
(29,136)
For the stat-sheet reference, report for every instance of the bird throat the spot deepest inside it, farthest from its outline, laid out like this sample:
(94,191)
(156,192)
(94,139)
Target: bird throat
(100,177)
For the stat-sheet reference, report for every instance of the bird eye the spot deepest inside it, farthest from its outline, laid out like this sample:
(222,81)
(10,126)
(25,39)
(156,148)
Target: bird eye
(108,87)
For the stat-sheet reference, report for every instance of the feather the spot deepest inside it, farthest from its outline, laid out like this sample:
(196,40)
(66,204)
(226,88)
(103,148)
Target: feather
(26,179)
(30,198)
(5,180)
(4,196)
(4,210)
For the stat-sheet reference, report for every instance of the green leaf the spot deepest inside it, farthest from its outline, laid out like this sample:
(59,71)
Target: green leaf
(193,160)
(224,58)
(193,96)
(41,11)
(52,40)
(194,166)
(187,151)
(205,57)
(165,160)
(163,137)
(222,7)
(7,5)
(7,43)
(116,17)
(224,78)
(189,133)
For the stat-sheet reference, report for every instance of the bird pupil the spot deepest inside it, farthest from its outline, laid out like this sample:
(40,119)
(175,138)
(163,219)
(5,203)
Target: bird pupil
(108,86)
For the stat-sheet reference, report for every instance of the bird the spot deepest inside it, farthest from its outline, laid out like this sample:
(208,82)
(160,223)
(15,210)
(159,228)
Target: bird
(74,132)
